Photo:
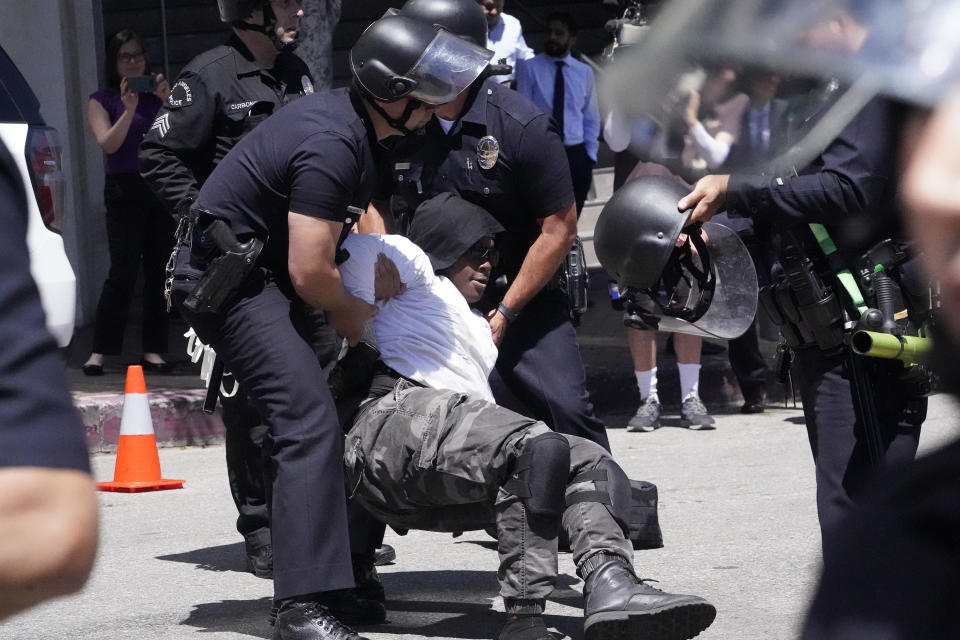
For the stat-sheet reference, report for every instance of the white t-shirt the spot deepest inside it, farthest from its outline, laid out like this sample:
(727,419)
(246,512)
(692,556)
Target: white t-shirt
(507,43)
(428,333)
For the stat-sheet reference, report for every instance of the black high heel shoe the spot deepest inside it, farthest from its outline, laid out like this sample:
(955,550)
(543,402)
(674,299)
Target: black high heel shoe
(156,367)
(92,369)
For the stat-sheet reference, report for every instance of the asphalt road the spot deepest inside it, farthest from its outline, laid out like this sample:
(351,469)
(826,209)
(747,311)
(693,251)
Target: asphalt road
(737,509)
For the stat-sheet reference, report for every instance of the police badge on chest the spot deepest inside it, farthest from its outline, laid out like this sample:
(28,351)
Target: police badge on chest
(488,151)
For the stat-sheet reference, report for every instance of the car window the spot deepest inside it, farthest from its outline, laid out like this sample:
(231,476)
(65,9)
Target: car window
(18,103)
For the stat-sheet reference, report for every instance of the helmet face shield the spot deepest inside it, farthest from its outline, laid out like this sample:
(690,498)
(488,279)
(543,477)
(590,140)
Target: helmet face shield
(708,288)
(448,66)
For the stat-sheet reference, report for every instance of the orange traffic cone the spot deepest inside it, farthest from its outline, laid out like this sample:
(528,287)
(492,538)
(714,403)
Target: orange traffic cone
(138,464)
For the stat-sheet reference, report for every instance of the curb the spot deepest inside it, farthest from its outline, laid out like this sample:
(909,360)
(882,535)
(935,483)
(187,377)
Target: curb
(177,415)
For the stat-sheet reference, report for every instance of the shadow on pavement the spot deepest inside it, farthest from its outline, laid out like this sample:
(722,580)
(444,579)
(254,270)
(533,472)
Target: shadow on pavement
(445,604)
(224,557)
(247,617)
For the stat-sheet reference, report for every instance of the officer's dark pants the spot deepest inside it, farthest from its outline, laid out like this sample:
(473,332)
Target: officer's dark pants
(581,171)
(139,237)
(261,338)
(841,456)
(747,361)
(896,573)
(245,433)
(540,365)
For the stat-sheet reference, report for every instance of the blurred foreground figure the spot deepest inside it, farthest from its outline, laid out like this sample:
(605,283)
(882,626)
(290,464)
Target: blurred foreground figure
(903,545)
(48,510)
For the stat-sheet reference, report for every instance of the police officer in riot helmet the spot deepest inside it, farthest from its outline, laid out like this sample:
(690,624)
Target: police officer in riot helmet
(496,149)
(261,250)
(219,97)
(845,272)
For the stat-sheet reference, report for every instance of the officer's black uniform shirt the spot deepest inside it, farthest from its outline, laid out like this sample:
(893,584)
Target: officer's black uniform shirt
(529,181)
(219,97)
(315,158)
(39,426)
(850,187)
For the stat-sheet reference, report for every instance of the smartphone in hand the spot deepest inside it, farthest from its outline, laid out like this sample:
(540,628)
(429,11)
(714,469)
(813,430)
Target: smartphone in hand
(141,84)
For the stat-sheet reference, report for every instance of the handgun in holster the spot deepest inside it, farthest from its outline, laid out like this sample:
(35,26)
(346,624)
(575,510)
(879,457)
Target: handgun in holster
(575,279)
(226,272)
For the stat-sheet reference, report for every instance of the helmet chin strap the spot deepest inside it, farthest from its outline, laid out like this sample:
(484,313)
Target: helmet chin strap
(268,28)
(400,124)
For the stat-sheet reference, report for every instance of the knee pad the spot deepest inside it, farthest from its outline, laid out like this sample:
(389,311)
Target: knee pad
(539,476)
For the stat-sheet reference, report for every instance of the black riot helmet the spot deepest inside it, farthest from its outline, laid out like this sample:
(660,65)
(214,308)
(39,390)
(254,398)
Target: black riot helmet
(398,56)
(464,18)
(674,277)
(238,10)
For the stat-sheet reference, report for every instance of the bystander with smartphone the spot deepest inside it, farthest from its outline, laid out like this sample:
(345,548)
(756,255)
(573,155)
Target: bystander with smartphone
(139,232)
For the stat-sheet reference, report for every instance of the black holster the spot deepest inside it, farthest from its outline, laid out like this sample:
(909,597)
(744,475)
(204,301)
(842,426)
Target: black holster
(226,272)
(799,301)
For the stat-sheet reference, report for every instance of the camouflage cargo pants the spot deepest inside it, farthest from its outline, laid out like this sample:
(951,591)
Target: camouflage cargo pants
(432,459)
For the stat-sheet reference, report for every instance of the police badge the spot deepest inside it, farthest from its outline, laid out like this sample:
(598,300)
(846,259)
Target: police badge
(306,85)
(488,150)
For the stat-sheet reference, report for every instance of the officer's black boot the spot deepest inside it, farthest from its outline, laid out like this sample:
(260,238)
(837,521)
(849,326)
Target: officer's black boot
(310,620)
(260,559)
(524,627)
(619,605)
(367,579)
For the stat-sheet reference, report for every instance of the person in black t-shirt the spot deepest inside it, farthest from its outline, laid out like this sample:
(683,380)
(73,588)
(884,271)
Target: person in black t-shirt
(296,184)
(219,97)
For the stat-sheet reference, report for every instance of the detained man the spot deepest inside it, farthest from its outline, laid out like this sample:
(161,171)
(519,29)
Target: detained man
(430,450)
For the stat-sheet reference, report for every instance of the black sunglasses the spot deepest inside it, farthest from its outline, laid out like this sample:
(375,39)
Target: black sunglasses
(484,253)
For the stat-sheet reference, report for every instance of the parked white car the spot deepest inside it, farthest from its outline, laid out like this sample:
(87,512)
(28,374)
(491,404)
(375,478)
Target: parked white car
(36,149)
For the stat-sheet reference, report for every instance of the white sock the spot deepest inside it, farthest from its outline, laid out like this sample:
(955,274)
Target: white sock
(689,379)
(647,384)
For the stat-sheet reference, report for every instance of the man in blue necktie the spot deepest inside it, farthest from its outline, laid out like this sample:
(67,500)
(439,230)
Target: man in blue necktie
(560,84)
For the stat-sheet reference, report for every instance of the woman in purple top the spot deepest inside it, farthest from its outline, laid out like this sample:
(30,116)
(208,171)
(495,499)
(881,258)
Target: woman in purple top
(139,231)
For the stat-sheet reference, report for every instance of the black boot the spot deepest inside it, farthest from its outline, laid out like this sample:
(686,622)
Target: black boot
(525,627)
(346,606)
(618,605)
(367,579)
(385,554)
(260,559)
(310,621)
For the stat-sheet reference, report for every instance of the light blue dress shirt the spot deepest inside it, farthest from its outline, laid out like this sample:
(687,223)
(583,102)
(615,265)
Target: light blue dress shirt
(507,43)
(581,115)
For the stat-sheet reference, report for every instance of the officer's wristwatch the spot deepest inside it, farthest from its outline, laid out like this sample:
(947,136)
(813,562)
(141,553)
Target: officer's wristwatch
(508,314)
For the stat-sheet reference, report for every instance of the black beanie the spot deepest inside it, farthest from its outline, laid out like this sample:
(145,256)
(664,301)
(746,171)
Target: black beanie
(446,225)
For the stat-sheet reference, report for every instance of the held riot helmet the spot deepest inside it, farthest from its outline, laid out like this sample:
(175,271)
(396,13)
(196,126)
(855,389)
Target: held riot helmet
(674,277)
(398,56)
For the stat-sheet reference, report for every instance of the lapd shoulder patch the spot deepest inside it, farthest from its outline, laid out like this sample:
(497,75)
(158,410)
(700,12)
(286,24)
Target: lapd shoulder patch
(180,95)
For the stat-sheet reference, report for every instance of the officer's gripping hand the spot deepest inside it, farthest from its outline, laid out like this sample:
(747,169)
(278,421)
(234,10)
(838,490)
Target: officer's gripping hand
(498,325)
(386,279)
(708,197)
(349,318)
